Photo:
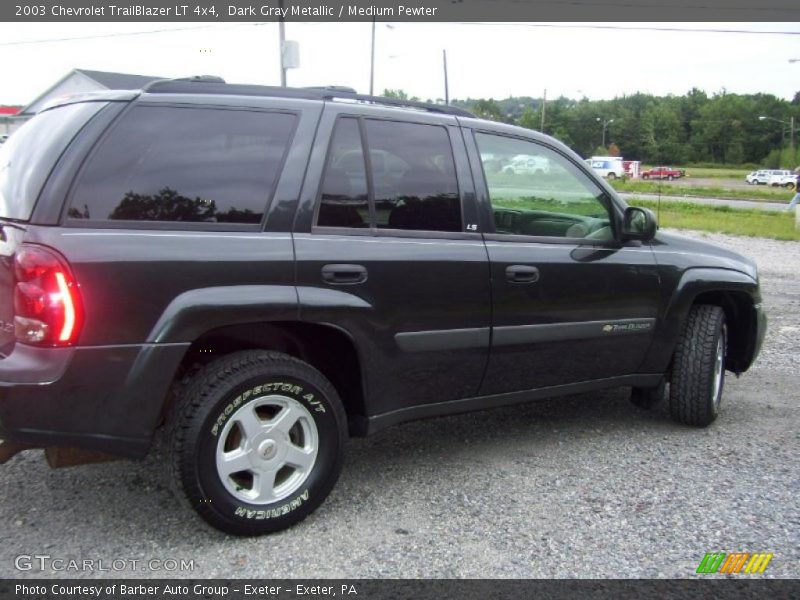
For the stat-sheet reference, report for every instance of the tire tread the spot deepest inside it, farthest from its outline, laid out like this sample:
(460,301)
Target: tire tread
(693,366)
(202,389)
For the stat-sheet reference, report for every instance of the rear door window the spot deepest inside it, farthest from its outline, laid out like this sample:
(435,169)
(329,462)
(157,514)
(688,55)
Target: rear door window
(31,152)
(201,165)
(412,174)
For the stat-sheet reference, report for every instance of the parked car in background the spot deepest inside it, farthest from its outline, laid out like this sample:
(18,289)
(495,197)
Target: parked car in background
(758,177)
(767,176)
(527,165)
(782,178)
(668,173)
(609,167)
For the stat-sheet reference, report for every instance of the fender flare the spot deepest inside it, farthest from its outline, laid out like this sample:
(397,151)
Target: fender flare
(692,283)
(197,311)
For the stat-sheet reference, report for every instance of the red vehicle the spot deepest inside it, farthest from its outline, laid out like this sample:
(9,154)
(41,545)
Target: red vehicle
(663,173)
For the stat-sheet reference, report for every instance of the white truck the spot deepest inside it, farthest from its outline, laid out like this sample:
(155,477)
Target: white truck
(785,179)
(610,167)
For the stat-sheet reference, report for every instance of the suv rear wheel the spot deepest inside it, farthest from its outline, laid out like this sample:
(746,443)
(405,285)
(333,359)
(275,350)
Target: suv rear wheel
(257,441)
(698,372)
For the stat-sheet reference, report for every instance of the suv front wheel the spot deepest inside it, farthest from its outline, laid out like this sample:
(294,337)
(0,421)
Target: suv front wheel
(257,441)
(698,371)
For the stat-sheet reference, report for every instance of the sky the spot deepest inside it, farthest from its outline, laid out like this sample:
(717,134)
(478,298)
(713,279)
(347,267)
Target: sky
(593,60)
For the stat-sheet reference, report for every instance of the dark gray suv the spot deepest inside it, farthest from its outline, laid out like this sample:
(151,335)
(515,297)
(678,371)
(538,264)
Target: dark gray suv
(266,271)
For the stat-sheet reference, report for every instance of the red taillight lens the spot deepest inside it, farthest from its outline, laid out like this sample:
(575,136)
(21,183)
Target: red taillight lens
(47,305)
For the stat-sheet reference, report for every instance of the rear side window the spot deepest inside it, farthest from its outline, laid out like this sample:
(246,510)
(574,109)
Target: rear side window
(31,152)
(173,164)
(412,172)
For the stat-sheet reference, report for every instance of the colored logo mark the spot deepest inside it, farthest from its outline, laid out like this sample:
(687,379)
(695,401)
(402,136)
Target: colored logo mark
(736,562)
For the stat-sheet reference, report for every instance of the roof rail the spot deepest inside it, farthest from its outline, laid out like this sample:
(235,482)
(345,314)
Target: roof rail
(445,109)
(208,84)
(332,88)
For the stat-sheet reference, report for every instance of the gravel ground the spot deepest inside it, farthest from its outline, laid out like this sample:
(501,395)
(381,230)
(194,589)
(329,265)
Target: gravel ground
(583,486)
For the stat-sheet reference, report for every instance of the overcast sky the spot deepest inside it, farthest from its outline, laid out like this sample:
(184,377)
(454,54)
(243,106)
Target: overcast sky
(485,60)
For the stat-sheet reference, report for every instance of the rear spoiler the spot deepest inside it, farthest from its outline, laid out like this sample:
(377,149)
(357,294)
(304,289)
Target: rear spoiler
(102,96)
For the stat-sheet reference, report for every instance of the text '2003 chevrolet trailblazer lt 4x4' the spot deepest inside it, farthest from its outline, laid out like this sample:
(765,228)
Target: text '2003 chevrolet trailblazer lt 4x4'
(265,271)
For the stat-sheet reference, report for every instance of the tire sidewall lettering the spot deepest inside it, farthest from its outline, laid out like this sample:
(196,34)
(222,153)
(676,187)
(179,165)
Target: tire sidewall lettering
(218,498)
(307,397)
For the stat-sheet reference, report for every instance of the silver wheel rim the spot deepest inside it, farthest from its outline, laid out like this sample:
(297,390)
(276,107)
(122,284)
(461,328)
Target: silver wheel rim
(719,366)
(267,449)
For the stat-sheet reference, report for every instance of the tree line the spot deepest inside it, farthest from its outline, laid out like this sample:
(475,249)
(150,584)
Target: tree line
(723,128)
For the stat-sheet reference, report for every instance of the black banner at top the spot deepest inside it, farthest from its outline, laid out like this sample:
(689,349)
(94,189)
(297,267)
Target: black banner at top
(397,10)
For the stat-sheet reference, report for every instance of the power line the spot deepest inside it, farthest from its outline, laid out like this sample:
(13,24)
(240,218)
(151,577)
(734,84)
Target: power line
(644,5)
(468,23)
(124,34)
(635,28)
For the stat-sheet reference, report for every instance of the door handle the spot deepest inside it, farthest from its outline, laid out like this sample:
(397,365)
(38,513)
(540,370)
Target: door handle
(522,274)
(344,274)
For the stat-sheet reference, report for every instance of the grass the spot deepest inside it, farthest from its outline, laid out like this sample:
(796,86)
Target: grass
(755,193)
(718,172)
(778,225)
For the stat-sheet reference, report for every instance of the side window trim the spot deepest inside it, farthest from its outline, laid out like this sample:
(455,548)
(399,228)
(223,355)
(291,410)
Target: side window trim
(367,152)
(485,204)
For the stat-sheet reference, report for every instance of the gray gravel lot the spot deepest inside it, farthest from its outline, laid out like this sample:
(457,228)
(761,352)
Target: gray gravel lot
(583,486)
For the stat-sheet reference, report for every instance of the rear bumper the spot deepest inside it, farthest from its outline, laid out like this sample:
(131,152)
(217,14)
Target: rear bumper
(109,399)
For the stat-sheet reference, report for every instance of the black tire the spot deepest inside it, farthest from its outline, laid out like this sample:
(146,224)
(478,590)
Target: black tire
(696,385)
(198,423)
(647,398)
(612,176)
(645,176)
(670,178)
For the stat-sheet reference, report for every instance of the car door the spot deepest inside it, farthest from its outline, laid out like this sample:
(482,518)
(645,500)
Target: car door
(386,252)
(570,303)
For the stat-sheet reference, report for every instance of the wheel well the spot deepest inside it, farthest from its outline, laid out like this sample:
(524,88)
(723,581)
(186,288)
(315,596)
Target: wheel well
(741,321)
(326,348)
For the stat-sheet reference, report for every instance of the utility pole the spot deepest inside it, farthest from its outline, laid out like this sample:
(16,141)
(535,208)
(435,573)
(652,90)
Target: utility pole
(372,61)
(446,88)
(605,126)
(544,106)
(282,35)
(790,123)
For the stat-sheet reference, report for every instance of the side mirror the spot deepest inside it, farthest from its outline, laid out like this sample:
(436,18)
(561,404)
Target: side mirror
(638,224)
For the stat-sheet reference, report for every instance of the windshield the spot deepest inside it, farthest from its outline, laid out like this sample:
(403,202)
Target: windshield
(31,152)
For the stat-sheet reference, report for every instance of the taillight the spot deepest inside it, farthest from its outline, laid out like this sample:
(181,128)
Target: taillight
(47,305)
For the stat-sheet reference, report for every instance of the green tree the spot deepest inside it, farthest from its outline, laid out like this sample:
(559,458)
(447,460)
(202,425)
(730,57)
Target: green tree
(723,128)
(488,109)
(530,119)
(399,94)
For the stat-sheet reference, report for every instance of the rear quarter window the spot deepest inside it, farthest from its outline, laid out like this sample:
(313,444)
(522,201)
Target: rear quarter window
(30,153)
(180,164)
